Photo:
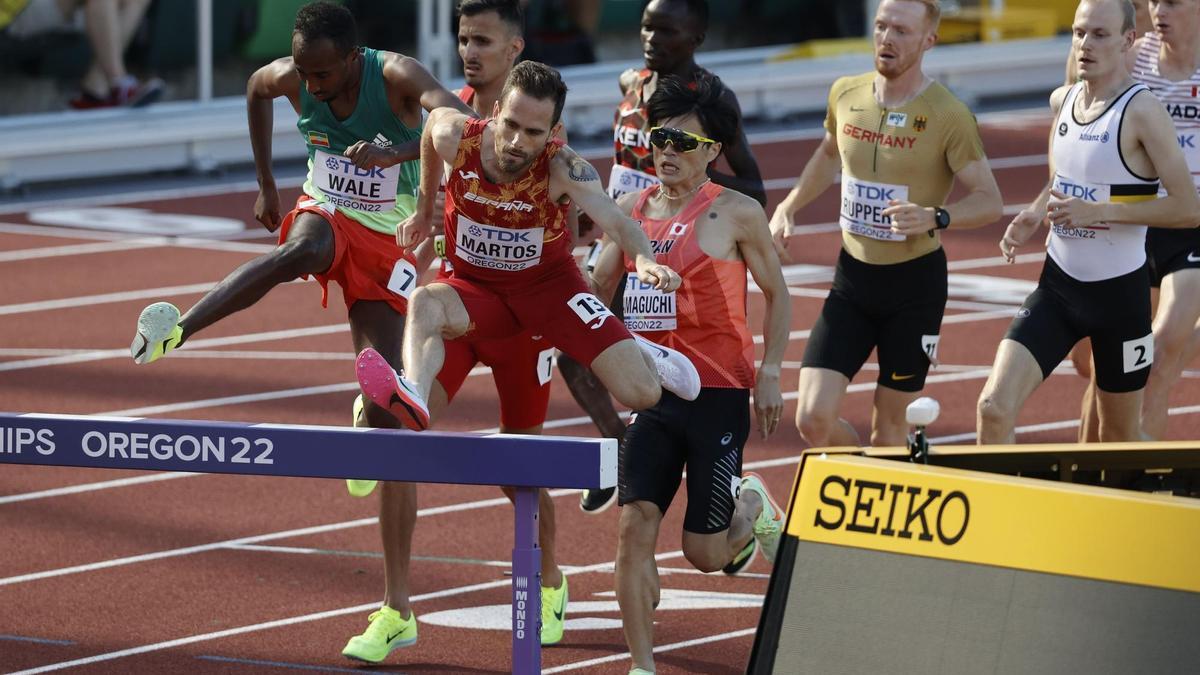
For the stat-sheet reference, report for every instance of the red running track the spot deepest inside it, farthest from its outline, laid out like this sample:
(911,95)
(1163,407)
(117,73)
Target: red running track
(143,572)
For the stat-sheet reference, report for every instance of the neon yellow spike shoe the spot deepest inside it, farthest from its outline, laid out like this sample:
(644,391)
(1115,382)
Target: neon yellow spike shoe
(158,332)
(387,632)
(554,612)
(356,487)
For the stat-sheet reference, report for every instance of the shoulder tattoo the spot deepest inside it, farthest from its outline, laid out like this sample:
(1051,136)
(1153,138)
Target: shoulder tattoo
(582,170)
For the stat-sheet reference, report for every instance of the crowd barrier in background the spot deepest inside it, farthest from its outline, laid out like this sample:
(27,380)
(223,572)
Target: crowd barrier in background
(202,136)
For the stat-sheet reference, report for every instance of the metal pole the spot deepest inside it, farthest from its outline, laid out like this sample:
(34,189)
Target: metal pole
(526,585)
(204,55)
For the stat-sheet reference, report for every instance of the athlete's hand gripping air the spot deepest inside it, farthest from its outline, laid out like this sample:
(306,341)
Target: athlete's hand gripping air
(266,207)
(1022,227)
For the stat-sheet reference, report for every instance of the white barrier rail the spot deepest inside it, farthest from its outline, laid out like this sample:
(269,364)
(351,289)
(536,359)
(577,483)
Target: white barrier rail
(205,135)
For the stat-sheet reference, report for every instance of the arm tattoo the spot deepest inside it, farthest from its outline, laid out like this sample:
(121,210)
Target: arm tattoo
(582,170)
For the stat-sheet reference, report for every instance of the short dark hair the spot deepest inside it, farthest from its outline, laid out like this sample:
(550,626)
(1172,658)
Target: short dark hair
(509,11)
(704,98)
(327,20)
(697,8)
(539,81)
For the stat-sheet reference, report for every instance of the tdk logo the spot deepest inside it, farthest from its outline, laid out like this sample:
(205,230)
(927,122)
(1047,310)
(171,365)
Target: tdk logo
(1083,192)
(1187,141)
(347,167)
(870,192)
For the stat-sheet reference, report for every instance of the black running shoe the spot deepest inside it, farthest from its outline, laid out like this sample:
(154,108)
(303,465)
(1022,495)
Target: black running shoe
(595,501)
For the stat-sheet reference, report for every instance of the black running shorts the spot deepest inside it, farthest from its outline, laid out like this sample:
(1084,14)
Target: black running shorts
(707,436)
(1170,250)
(1114,313)
(897,308)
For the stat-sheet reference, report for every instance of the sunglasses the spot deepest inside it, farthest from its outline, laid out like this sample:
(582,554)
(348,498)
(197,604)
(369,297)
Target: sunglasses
(684,141)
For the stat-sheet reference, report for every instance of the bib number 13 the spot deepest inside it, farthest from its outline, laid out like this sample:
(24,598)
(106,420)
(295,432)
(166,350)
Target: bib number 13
(589,309)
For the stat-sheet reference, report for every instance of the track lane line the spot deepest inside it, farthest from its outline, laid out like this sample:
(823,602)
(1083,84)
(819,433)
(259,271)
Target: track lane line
(291,621)
(657,650)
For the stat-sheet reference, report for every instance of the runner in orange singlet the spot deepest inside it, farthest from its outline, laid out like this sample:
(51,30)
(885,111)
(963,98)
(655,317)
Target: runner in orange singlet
(713,236)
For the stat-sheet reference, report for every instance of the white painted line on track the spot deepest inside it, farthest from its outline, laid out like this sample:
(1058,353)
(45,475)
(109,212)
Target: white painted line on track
(291,621)
(92,487)
(97,355)
(657,650)
(120,296)
(81,249)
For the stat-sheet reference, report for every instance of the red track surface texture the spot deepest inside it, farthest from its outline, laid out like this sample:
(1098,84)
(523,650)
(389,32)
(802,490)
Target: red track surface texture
(210,573)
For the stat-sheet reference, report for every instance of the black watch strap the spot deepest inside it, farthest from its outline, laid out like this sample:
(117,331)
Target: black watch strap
(941,217)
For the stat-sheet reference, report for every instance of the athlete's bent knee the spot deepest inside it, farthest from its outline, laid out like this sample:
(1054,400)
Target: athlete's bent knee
(815,427)
(992,412)
(296,257)
(704,559)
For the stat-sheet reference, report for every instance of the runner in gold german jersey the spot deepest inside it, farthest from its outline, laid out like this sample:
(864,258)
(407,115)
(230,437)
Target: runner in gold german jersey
(900,140)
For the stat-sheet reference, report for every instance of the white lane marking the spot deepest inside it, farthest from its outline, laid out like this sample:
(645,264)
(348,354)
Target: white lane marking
(91,487)
(657,650)
(14,352)
(146,411)
(81,249)
(97,355)
(120,296)
(291,621)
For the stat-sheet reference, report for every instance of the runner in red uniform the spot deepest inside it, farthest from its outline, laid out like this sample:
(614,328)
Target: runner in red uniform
(713,236)
(507,194)
(490,40)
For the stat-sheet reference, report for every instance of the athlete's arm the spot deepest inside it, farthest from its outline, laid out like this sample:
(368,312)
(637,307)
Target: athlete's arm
(408,84)
(278,78)
(572,213)
(980,206)
(439,144)
(1154,130)
(820,172)
(1029,219)
(610,266)
(754,244)
(575,177)
(746,178)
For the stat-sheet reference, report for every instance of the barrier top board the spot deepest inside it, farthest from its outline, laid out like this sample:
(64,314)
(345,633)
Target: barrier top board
(312,451)
(1019,523)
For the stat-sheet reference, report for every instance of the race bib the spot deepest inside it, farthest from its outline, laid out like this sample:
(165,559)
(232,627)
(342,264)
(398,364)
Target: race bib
(863,203)
(647,308)
(623,180)
(497,248)
(347,186)
(1088,192)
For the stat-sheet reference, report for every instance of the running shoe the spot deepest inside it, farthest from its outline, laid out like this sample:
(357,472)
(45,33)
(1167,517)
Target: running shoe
(390,391)
(158,332)
(769,525)
(554,612)
(356,487)
(595,501)
(742,559)
(387,632)
(676,372)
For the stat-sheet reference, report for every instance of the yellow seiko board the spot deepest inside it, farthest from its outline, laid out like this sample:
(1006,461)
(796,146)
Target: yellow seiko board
(888,566)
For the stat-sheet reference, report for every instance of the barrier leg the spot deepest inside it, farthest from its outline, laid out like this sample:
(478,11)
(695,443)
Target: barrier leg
(527,585)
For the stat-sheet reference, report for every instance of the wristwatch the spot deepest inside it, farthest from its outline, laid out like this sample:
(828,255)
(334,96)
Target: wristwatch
(941,217)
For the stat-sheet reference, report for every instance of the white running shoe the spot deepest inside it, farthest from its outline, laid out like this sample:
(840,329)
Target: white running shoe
(158,332)
(675,371)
